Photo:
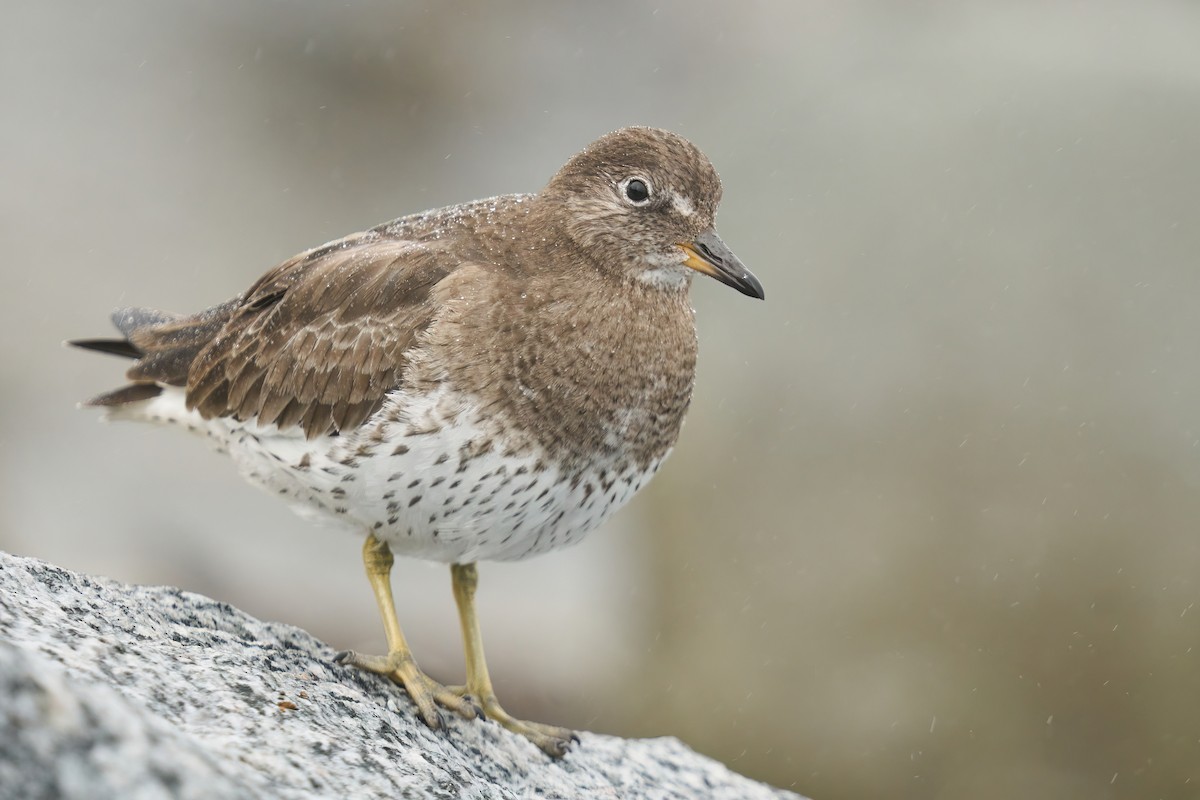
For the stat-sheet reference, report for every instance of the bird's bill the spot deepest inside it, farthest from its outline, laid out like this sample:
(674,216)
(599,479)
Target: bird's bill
(708,254)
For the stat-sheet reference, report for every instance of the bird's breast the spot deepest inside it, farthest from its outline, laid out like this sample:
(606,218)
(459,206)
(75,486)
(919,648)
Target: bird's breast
(606,388)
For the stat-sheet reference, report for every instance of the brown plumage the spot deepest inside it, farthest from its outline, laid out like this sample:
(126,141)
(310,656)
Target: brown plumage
(486,381)
(319,340)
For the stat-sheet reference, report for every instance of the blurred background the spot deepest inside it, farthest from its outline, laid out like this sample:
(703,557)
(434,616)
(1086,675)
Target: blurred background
(933,527)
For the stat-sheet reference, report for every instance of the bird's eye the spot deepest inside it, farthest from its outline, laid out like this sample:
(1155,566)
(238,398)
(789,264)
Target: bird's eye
(637,190)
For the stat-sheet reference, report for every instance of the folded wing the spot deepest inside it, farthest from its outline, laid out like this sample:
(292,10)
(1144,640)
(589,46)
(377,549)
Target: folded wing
(317,342)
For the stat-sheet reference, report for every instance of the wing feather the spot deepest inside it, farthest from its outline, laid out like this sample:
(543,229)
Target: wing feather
(320,340)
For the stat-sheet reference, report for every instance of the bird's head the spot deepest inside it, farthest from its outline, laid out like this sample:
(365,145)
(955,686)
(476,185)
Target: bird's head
(644,201)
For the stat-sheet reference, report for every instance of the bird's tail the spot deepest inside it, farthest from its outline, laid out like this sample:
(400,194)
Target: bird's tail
(162,344)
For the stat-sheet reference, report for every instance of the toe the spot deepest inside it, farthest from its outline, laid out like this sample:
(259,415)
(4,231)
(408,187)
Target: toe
(555,745)
(380,665)
(556,748)
(430,716)
(427,695)
(434,694)
(550,739)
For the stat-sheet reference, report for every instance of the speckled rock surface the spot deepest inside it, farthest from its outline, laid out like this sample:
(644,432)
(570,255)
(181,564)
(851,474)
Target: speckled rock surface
(115,691)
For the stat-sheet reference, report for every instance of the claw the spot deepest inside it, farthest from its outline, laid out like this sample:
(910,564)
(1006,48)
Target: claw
(475,705)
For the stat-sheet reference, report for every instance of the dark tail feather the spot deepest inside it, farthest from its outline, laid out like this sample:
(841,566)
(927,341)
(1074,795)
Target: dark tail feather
(163,345)
(127,320)
(126,394)
(115,347)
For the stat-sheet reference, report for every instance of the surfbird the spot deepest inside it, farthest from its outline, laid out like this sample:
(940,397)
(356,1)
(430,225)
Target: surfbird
(487,381)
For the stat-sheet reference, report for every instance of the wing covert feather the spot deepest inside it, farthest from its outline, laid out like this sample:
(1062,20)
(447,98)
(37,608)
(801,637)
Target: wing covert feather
(321,339)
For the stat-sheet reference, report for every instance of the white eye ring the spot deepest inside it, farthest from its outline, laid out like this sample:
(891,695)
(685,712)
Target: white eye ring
(636,191)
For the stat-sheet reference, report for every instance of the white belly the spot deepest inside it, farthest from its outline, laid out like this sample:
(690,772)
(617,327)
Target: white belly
(426,474)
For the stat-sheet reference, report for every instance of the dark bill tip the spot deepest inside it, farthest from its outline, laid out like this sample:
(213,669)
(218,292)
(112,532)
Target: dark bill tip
(708,254)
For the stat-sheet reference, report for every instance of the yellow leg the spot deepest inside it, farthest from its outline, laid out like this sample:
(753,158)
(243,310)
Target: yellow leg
(399,664)
(553,740)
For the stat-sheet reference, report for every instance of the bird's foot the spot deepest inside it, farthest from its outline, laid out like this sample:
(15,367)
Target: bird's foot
(426,693)
(550,739)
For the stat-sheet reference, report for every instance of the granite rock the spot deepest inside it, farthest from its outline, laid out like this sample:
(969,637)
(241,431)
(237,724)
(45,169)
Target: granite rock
(116,691)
